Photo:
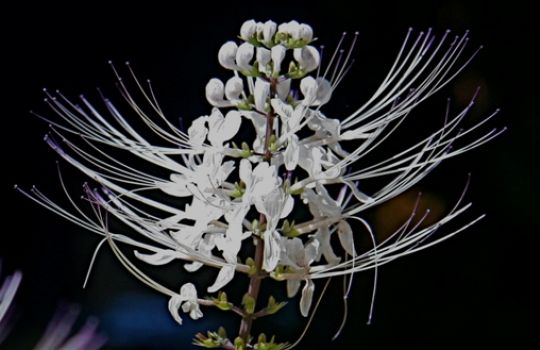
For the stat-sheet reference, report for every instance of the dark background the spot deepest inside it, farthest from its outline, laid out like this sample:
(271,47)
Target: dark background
(476,289)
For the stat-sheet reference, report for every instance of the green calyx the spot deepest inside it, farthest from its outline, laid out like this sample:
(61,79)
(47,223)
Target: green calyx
(211,340)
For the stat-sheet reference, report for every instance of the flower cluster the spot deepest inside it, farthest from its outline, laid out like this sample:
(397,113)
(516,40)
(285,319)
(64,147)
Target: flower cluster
(242,185)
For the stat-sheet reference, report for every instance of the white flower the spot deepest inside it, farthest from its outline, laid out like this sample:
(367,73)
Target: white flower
(187,300)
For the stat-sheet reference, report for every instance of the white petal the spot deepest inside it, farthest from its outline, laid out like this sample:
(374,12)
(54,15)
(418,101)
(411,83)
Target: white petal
(292,153)
(324,91)
(261,94)
(214,93)
(308,58)
(311,252)
(248,29)
(269,29)
(272,250)
(194,266)
(224,276)
(284,110)
(232,125)
(175,188)
(263,57)
(283,88)
(188,291)
(295,251)
(197,131)
(234,88)
(288,206)
(245,172)
(305,32)
(227,55)
(309,87)
(244,55)
(293,27)
(174,307)
(292,287)
(158,258)
(307,297)
(346,239)
(278,54)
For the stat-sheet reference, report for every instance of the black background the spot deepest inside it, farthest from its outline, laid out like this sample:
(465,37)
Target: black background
(477,288)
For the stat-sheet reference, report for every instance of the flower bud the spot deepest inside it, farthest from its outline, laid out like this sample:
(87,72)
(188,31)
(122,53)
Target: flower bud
(308,58)
(261,94)
(244,55)
(305,33)
(269,29)
(227,55)
(278,54)
(309,88)
(214,92)
(233,88)
(263,58)
(248,29)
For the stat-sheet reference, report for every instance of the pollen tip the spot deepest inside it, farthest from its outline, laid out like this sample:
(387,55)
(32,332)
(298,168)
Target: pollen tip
(357,33)
(344,33)
(148,81)
(448,31)
(15,186)
(410,29)
(127,63)
(109,61)
(44,89)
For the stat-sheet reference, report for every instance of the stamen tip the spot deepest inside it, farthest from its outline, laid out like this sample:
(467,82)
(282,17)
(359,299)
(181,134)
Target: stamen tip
(15,186)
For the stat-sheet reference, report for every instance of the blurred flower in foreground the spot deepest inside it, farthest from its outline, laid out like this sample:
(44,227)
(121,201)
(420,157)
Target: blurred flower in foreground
(58,334)
(243,175)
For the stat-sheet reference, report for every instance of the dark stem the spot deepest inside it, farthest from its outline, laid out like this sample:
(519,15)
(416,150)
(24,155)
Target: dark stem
(255,280)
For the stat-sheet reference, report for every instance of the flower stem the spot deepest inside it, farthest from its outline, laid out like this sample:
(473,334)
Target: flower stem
(256,279)
(253,290)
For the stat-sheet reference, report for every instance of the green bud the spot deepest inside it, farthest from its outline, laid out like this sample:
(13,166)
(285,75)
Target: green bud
(239,344)
(289,230)
(274,306)
(244,106)
(249,303)
(252,267)
(221,302)
(222,333)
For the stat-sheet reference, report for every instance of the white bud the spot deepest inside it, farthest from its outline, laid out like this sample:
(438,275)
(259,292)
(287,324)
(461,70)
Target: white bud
(308,58)
(293,28)
(263,58)
(261,93)
(248,29)
(269,29)
(278,54)
(214,92)
(244,55)
(233,88)
(305,32)
(309,88)
(227,55)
